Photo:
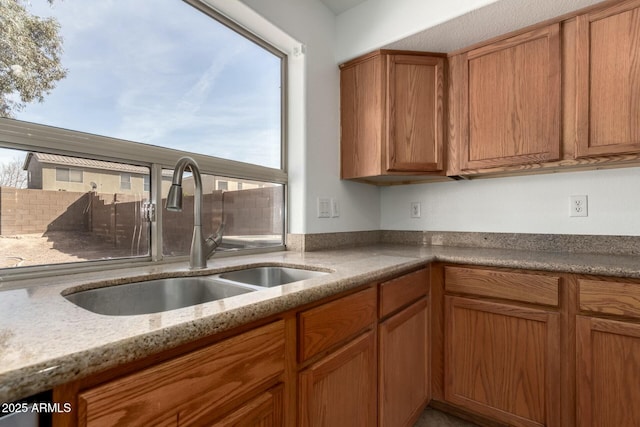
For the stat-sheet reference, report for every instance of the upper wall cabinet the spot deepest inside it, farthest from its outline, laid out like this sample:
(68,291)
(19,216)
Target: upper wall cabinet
(510,101)
(608,80)
(392,114)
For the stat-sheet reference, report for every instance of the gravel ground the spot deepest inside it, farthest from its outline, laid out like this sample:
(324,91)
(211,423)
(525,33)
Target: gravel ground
(54,248)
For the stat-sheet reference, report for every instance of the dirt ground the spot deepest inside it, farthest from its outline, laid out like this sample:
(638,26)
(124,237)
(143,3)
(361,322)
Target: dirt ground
(54,248)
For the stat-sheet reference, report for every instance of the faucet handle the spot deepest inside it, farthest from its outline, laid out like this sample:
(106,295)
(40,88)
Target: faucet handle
(214,240)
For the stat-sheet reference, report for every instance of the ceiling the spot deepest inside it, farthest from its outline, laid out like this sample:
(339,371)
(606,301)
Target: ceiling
(339,6)
(500,17)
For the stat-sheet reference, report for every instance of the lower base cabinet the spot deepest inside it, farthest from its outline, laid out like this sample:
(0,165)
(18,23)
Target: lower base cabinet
(404,359)
(503,361)
(340,389)
(266,410)
(608,372)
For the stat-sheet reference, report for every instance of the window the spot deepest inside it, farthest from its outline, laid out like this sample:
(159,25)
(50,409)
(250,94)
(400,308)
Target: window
(68,175)
(125,181)
(110,132)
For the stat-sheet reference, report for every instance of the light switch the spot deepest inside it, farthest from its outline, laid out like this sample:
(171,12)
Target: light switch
(324,207)
(335,209)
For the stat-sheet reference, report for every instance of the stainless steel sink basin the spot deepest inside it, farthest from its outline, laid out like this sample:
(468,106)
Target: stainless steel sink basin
(270,276)
(154,296)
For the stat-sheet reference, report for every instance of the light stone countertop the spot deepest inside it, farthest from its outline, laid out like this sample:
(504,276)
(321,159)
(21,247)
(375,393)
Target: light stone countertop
(46,340)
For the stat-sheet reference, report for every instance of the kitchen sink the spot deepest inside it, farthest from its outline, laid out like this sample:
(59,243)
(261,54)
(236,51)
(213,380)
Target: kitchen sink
(269,276)
(154,296)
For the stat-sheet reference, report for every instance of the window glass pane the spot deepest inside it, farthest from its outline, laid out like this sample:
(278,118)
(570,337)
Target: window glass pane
(75,175)
(62,174)
(125,181)
(44,220)
(252,212)
(163,73)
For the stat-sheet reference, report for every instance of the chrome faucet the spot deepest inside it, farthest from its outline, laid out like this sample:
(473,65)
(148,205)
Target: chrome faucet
(201,249)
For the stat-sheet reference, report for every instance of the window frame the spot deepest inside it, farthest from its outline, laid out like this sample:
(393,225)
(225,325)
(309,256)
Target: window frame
(69,170)
(27,136)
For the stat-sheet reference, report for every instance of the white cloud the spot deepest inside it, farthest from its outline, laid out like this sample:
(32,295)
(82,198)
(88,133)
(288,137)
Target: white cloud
(162,73)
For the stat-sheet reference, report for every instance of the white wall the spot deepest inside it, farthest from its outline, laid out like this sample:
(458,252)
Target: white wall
(527,204)
(314,152)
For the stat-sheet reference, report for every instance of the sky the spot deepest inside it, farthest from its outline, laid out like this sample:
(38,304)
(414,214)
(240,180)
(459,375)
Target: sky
(161,72)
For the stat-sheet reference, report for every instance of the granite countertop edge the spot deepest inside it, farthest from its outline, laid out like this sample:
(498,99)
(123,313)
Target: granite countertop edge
(384,260)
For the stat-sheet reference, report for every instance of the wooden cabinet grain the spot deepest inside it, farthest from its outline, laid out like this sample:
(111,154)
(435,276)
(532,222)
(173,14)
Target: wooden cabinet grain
(403,349)
(404,360)
(608,80)
(608,372)
(392,107)
(503,361)
(608,352)
(323,327)
(338,338)
(190,387)
(510,96)
(340,389)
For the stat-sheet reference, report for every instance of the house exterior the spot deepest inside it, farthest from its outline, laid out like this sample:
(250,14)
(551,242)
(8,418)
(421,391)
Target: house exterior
(63,173)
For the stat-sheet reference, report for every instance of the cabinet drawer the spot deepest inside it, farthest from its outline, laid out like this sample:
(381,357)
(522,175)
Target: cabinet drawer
(524,287)
(403,290)
(322,327)
(614,298)
(218,374)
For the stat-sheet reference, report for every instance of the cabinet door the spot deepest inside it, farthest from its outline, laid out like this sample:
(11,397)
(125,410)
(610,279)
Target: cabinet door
(361,118)
(415,113)
(503,361)
(404,360)
(608,80)
(265,410)
(340,389)
(189,385)
(513,99)
(608,372)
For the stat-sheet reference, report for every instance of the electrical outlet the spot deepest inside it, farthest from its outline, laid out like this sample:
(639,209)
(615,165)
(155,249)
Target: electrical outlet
(578,206)
(415,210)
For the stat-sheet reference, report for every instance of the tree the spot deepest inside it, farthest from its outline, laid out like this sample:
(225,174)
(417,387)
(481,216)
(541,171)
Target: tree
(12,174)
(30,50)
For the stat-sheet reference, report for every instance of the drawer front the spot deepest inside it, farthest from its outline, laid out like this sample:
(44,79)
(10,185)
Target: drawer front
(221,372)
(399,292)
(322,327)
(524,287)
(614,298)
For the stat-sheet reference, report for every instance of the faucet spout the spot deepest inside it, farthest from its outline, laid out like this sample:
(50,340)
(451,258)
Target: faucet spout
(201,249)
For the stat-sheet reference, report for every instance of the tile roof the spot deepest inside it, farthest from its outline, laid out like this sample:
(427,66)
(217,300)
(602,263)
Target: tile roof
(84,163)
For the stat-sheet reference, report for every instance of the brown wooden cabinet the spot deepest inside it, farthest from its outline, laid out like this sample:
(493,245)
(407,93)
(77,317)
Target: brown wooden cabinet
(404,359)
(340,389)
(509,95)
(265,410)
(404,349)
(500,355)
(338,338)
(392,107)
(608,372)
(608,353)
(608,80)
(503,361)
(193,388)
